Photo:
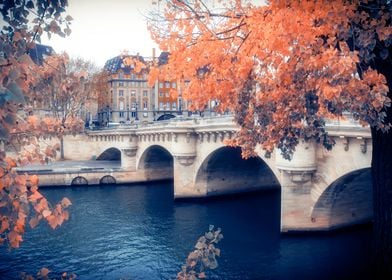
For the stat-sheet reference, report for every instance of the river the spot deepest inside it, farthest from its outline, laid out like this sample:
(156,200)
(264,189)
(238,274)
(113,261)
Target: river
(139,232)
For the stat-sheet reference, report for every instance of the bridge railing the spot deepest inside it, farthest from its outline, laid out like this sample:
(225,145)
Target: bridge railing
(346,121)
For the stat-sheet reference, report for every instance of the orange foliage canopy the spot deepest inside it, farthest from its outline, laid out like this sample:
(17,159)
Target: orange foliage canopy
(20,202)
(282,68)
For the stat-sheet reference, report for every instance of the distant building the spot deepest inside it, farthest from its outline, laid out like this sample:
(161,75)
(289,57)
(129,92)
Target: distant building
(40,52)
(168,95)
(129,98)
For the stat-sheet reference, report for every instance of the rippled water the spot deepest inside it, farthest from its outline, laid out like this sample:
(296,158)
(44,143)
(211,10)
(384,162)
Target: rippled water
(139,232)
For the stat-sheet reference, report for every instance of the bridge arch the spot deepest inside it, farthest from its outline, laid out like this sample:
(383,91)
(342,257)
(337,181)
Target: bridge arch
(224,171)
(112,153)
(107,180)
(79,181)
(156,162)
(347,201)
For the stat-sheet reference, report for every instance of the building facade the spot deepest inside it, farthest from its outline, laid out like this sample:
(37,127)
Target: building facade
(129,99)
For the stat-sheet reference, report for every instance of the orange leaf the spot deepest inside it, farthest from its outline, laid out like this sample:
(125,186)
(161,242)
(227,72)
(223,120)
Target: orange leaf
(34,222)
(4,225)
(46,213)
(52,221)
(14,239)
(34,180)
(19,226)
(66,215)
(10,162)
(65,202)
(42,205)
(35,196)
(43,272)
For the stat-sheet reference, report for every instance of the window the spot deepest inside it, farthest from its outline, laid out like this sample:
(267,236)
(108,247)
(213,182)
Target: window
(161,105)
(121,84)
(120,92)
(167,94)
(121,114)
(145,104)
(121,105)
(133,92)
(133,114)
(167,84)
(160,85)
(174,105)
(161,94)
(174,85)
(120,75)
(168,105)
(145,93)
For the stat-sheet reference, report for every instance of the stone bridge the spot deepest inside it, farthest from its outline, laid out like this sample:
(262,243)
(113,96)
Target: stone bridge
(320,189)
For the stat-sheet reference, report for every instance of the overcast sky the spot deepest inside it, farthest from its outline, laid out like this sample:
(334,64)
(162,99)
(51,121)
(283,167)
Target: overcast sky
(102,29)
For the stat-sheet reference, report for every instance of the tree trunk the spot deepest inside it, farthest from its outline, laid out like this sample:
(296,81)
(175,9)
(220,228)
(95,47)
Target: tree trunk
(62,148)
(382,189)
(382,195)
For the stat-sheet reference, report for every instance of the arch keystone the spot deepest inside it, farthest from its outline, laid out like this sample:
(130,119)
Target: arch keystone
(185,160)
(130,152)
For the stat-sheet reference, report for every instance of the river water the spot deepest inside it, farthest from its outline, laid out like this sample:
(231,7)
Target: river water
(139,232)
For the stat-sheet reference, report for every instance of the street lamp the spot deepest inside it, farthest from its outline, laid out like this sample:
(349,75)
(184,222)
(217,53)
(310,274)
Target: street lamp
(180,106)
(108,116)
(128,112)
(136,117)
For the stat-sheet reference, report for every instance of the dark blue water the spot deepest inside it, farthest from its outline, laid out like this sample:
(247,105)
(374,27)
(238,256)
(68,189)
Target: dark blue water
(138,232)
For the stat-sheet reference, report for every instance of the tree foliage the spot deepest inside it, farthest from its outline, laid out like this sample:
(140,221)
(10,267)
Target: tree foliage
(282,68)
(285,67)
(203,257)
(65,87)
(20,201)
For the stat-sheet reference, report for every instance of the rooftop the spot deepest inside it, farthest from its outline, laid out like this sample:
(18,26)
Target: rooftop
(115,64)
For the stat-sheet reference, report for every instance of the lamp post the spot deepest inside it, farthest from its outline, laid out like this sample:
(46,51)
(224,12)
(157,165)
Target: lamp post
(127,112)
(136,117)
(108,116)
(180,106)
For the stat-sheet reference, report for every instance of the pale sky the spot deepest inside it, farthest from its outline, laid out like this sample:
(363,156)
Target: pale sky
(102,29)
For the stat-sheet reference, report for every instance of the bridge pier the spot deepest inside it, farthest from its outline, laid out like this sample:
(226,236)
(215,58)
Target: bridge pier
(183,147)
(128,158)
(184,185)
(296,203)
(296,184)
(128,154)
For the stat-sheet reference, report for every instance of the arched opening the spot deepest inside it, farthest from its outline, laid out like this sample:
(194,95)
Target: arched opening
(107,180)
(347,201)
(166,117)
(225,171)
(157,163)
(112,154)
(79,181)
